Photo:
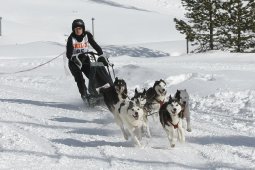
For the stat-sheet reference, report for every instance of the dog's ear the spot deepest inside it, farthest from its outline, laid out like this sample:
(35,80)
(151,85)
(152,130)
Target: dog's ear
(170,99)
(144,91)
(161,80)
(177,94)
(156,83)
(136,91)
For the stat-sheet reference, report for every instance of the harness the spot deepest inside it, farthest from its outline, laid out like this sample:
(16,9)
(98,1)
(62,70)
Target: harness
(122,104)
(175,126)
(158,101)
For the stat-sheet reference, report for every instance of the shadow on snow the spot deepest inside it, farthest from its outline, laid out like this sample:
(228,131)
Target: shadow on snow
(114,51)
(225,140)
(42,103)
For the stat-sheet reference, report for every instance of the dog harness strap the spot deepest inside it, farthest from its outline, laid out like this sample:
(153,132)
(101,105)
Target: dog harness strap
(160,102)
(126,95)
(175,126)
(122,104)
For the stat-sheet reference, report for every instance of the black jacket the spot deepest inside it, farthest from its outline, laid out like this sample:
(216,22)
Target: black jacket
(92,42)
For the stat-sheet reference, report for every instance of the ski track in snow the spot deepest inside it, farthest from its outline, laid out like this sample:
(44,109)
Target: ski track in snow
(45,128)
(38,122)
(223,126)
(45,125)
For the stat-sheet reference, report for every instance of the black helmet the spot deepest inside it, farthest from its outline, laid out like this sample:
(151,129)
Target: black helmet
(78,23)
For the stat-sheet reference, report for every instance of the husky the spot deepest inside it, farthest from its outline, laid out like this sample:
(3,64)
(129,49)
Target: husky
(155,97)
(130,117)
(183,97)
(171,114)
(140,100)
(114,94)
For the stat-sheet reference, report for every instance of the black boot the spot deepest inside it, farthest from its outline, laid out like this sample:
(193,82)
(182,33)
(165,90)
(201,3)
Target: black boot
(85,95)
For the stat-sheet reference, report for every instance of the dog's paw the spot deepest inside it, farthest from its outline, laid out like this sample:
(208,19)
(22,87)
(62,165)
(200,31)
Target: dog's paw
(189,130)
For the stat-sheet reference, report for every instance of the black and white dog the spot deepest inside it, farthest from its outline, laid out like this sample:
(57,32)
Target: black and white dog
(114,94)
(140,100)
(155,97)
(183,97)
(171,114)
(130,117)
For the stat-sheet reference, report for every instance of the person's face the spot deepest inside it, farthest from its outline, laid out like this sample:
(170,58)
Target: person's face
(78,30)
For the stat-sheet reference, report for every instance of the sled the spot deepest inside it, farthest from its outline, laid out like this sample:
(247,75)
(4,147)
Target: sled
(99,76)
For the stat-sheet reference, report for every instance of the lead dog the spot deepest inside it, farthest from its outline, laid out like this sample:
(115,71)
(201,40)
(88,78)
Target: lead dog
(171,115)
(183,97)
(130,117)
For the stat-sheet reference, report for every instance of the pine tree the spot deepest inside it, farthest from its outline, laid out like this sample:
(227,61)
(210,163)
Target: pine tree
(251,23)
(200,27)
(237,24)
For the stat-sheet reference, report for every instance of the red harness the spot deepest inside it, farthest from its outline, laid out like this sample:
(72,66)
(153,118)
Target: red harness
(175,126)
(160,102)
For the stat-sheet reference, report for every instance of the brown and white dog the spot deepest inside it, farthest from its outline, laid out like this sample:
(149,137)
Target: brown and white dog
(171,115)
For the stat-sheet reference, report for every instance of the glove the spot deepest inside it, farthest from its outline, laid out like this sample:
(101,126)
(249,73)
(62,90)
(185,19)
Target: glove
(76,60)
(104,60)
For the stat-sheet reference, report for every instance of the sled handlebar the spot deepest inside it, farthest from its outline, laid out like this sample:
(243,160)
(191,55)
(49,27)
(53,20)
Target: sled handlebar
(92,54)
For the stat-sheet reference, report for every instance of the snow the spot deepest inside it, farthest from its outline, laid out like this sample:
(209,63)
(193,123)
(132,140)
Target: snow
(44,124)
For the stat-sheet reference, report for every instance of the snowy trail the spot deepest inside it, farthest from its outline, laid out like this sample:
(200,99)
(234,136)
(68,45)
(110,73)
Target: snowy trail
(44,123)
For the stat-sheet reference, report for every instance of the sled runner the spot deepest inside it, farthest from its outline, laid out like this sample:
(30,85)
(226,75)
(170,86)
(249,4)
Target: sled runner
(98,76)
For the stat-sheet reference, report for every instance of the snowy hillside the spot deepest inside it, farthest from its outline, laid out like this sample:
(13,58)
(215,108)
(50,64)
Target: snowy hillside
(50,20)
(44,124)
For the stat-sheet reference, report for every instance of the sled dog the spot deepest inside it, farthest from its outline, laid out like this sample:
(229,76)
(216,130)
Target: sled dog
(140,100)
(155,97)
(183,97)
(130,117)
(113,94)
(170,115)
